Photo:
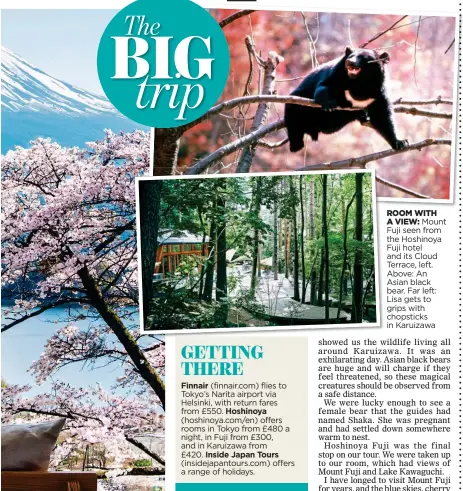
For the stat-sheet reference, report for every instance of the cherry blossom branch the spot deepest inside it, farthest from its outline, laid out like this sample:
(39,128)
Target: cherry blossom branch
(116,233)
(123,334)
(58,414)
(37,312)
(145,449)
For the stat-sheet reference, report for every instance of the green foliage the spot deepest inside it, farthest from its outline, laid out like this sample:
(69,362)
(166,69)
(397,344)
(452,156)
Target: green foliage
(246,207)
(142,463)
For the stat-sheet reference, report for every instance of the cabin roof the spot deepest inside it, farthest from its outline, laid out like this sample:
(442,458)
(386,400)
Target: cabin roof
(170,237)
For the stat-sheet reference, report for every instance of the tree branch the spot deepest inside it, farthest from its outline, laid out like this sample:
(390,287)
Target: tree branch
(237,15)
(361,162)
(448,49)
(255,136)
(247,140)
(422,112)
(269,69)
(393,185)
(145,449)
(250,99)
(377,36)
(285,99)
(423,102)
(273,145)
(37,312)
(125,337)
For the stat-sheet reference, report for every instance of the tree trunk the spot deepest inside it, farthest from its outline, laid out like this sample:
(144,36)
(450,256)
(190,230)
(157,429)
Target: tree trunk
(133,350)
(301,196)
(321,276)
(286,248)
(290,264)
(313,275)
(357,293)
(84,461)
(149,202)
(210,266)
(297,295)
(221,291)
(326,249)
(165,153)
(342,283)
(203,266)
(257,199)
(275,242)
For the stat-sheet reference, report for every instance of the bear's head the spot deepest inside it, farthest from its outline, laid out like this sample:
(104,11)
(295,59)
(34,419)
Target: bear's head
(364,63)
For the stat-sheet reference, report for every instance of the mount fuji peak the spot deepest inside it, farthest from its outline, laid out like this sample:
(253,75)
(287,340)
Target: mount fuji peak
(25,87)
(35,104)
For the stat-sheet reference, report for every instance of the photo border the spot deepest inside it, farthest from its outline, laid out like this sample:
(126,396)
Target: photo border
(453,137)
(262,328)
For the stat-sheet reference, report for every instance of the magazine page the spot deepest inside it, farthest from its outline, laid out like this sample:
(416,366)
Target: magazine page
(231,246)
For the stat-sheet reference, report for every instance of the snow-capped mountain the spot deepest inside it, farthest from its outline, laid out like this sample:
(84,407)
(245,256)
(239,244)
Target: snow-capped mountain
(35,104)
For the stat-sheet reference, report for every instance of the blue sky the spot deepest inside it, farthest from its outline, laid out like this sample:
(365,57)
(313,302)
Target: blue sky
(62,43)
(24,344)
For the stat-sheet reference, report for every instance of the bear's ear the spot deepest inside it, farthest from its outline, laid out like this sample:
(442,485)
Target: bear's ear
(384,57)
(349,51)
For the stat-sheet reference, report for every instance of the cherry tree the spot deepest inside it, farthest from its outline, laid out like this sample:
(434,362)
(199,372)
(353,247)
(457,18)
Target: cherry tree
(69,242)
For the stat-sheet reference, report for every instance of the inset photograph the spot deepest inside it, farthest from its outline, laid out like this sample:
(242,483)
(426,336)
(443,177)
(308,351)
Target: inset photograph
(314,91)
(260,251)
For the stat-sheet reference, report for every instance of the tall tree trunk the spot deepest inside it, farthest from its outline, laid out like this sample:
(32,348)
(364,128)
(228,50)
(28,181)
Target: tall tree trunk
(114,322)
(203,265)
(85,459)
(321,275)
(221,292)
(313,275)
(257,200)
(357,293)
(344,259)
(297,295)
(210,266)
(301,197)
(165,151)
(286,235)
(290,263)
(275,242)
(326,248)
(149,203)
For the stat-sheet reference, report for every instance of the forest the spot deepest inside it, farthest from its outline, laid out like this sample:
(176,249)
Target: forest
(265,250)
(272,51)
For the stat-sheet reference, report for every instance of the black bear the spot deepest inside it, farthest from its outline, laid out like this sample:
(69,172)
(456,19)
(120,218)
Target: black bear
(355,80)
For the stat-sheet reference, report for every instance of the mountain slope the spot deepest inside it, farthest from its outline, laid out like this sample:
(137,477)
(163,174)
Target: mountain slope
(35,104)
